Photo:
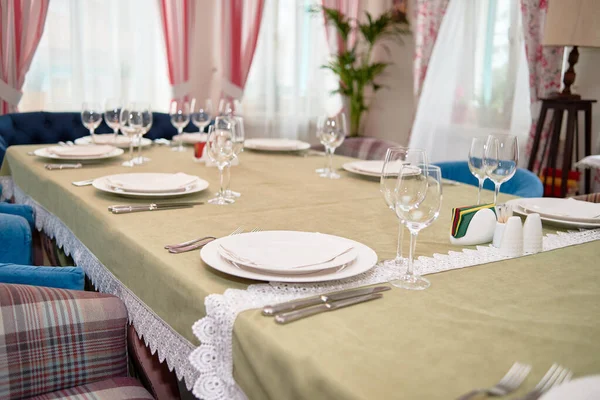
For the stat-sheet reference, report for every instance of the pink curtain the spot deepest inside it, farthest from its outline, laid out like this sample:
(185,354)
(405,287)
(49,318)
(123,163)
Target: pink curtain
(178,17)
(426,21)
(21,26)
(350,9)
(544,63)
(240,26)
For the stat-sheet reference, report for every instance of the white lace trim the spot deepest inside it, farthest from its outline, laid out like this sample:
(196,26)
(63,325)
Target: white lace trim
(213,358)
(156,333)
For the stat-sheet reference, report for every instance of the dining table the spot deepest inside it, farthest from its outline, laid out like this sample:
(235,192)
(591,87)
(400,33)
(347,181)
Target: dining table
(463,332)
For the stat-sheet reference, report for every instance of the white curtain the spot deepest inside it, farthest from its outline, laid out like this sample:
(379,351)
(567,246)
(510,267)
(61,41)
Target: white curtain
(93,50)
(286,89)
(477,80)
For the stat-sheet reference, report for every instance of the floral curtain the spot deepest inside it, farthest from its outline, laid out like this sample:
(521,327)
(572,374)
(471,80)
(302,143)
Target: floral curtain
(545,63)
(427,18)
(22,21)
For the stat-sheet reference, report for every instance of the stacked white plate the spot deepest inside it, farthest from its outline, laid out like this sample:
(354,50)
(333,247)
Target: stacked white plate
(191,138)
(273,144)
(288,256)
(120,141)
(567,213)
(374,168)
(147,184)
(79,153)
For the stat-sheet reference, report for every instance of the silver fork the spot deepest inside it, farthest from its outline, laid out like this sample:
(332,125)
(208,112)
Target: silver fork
(556,375)
(197,243)
(508,384)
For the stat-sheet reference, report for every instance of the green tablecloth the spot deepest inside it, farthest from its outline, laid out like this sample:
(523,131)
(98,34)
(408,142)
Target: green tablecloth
(463,332)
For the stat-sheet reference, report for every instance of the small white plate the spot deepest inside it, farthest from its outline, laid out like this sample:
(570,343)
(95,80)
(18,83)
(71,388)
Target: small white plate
(44,153)
(103,185)
(517,209)
(586,388)
(351,167)
(274,144)
(365,260)
(563,209)
(122,141)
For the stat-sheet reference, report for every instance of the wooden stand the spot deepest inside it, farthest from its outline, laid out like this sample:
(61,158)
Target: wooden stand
(550,154)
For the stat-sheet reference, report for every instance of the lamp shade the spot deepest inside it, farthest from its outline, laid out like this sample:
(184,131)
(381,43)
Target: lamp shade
(572,23)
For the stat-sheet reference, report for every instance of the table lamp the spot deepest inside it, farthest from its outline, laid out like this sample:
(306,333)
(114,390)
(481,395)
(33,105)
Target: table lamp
(572,23)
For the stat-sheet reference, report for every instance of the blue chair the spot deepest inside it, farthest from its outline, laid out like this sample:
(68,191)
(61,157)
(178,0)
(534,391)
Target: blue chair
(523,184)
(51,127)
(16,222)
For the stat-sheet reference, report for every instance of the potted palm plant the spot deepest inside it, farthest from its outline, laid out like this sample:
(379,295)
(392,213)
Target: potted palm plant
(354,67)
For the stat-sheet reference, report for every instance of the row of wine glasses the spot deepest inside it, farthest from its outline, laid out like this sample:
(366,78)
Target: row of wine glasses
(331,132)
(496,158)
(412,189)
(134,122)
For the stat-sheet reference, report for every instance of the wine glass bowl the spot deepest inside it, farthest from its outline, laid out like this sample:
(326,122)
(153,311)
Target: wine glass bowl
(112,115)
(201,114)
(476,165)
(501,159)
(331,132)
(130,124)
(220,150)
(180,118)
(91,117)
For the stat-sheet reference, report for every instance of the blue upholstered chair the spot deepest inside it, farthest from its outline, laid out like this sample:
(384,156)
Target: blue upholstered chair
(524,183)
(16,224)
(51,127)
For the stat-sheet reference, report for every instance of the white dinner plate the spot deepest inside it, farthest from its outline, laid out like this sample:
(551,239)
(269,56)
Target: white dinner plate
(563,209)
(274,144)
(191,138)
(122,141)
(586,388)
(103,184)
(368,168)
(365,260)
(516,207)
(44,153)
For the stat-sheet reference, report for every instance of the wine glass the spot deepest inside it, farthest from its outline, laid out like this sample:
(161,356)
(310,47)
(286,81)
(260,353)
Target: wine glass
(112,115)
(91,116)
(220,151)
(130,129)
(238,147)
(201,115)
(147,120)
(225,108)
(395,158)
(180,118)
(501,159)
(418,203)
(476,156)
(331,132)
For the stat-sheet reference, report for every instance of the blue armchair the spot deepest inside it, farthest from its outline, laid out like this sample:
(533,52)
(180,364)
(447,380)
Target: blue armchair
(524,183)
(51,127)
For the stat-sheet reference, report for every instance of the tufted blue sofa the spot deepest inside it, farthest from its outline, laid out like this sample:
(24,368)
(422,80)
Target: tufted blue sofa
(51,127)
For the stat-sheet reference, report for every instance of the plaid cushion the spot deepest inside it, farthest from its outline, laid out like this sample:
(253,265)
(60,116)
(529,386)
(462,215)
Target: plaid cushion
(109,389)
(592,197)
(53,339)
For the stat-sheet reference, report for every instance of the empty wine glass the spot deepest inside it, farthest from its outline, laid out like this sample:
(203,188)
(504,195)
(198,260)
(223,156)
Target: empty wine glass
(147,120)
(418,203)
(225,108)
(331,132)
(501,159)
(476,156)
(395,158)
(130,123)
(180,118)
(91,117)
(112,115)
(201,114)
(220,150)
(238,147)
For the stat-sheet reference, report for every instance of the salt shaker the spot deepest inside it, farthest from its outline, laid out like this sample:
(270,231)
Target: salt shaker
(532,234)
(511,244)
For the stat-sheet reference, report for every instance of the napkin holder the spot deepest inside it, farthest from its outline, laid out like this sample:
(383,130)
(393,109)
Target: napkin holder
(473,225)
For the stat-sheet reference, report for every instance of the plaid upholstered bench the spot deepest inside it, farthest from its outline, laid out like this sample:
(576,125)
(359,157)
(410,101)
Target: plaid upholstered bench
(63,344)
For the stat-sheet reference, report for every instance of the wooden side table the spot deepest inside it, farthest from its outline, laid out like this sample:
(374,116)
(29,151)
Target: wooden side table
(550,154)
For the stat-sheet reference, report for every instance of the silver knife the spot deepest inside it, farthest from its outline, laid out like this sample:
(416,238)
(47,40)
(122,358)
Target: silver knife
(307,312)
(151,207)
(62,166)
(324,298)
(183,203)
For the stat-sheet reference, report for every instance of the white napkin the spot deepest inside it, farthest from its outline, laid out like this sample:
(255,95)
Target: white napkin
(191,138)
(589,162)
(376,167)
(254,251)
(81,151)
(274,144)
(109,138)
(152,183)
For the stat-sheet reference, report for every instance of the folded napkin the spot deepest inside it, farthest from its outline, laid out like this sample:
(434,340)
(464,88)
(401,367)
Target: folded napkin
(191,138)
(152,183)
(462,216)
(110,138)
(81,150)
(275,144)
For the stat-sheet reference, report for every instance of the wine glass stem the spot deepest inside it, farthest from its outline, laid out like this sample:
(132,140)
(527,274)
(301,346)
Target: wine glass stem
(411,256)
(139,149)
(330,159)
(227,178)
(131,149)
(479,191)
(180,133)
(399,259)
(496,191)
(221,181)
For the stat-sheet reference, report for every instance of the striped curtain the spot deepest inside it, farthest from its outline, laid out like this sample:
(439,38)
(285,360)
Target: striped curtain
(240,26)
(178,18)
(21,27)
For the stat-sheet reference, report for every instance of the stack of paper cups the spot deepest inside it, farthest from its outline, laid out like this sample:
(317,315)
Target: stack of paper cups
(512,238)
(532,234)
